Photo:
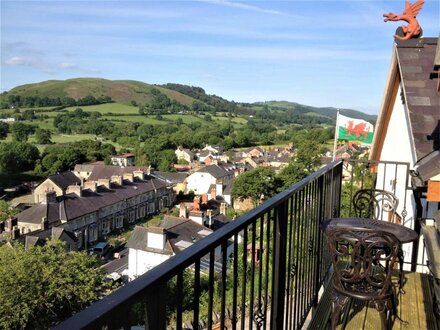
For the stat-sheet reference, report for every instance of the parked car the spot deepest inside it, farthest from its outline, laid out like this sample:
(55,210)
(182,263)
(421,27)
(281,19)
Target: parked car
(101,249)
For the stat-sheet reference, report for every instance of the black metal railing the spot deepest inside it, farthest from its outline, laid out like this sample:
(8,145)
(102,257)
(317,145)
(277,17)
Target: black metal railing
(272,259)
(261,271)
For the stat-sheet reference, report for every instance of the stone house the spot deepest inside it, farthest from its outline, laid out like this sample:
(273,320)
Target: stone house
(97,207)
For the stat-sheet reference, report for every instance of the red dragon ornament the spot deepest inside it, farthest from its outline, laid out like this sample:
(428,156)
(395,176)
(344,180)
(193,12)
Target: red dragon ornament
(413,29)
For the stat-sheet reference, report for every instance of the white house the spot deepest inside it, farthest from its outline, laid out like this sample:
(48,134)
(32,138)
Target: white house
(149,247)
(201,181)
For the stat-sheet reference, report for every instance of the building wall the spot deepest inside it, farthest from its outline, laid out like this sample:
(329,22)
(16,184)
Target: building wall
(140,261)
(199,183)
(92,227)
(398,147)
(47,185)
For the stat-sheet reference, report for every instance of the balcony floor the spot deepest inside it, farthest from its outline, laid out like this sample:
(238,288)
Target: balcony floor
(415,307)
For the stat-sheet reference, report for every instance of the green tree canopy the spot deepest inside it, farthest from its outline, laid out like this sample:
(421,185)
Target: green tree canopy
(4,130)
(6,211)
(257,184)
(21,131)
(45,285)
(17,157)
(43,136)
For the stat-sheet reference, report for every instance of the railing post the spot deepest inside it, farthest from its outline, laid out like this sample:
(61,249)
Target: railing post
(279,267)
(318,240)
(155,309)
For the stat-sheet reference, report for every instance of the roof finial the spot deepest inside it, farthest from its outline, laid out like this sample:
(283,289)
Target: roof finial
(413,29)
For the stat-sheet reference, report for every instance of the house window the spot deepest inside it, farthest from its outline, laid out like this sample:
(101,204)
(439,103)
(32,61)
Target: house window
(131,216)
(150,209)
(105,227)
(119,222)
(93,233)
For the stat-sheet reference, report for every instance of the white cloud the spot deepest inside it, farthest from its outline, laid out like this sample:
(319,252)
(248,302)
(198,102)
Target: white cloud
(244,6)
(66,65)
(18,60)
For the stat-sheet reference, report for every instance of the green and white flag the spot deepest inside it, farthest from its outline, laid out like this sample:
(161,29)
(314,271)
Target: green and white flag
(354,129)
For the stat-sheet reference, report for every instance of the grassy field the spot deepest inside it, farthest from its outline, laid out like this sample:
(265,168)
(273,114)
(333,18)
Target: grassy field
(117,108)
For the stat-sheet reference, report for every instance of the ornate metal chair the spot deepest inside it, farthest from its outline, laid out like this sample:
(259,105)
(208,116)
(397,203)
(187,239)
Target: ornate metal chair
(376,204)
(362,251)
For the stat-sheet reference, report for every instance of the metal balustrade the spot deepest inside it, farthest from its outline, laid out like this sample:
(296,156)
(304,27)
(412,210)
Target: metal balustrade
(268,278)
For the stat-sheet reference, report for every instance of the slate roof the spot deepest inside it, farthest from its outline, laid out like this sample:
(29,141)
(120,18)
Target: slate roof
(71,206)
(215,170)
(139,241)
(84,167)
(416,62)
(173,177)
(65,179)
(182,229)
(106,171)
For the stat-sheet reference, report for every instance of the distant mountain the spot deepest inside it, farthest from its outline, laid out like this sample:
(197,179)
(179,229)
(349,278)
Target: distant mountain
(193,98)
(329,112)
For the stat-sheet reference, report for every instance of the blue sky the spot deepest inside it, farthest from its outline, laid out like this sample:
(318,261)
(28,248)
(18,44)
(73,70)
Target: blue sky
(319,53)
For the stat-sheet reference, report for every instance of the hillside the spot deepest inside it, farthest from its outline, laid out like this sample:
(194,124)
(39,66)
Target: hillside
(120,91)
(178,97)
(328,112)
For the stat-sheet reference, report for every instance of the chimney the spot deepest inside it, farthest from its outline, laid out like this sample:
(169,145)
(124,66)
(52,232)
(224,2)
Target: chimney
(139,174)
(213,192)
(128,176)
(196,204)
(223,208)
(11,223)
(219,188)
(44,223)
(49,196)
(209,215)
(156,238)
(116,179)
(104,182)
(149,170)
(205,199)
(183,211)
(90,185)
(74,189)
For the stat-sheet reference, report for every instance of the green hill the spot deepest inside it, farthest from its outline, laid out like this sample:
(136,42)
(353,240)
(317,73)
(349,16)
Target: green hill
(120,91)
(90,91)
(328,112)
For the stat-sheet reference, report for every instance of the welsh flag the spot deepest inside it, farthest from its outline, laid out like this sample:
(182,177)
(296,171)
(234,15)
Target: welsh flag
(354,129)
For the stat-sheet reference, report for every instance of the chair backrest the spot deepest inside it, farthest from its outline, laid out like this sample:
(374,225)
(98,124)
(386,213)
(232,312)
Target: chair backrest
(368,257)
(376,204)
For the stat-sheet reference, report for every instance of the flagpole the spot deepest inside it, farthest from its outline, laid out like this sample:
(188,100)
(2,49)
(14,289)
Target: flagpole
(336,135)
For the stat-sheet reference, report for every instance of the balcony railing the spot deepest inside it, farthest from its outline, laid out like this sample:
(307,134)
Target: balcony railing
(262,271)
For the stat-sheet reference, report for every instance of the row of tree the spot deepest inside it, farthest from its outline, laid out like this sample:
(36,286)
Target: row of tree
(13,100)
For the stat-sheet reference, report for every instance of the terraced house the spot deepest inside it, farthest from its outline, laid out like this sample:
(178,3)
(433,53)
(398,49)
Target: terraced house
(107,201)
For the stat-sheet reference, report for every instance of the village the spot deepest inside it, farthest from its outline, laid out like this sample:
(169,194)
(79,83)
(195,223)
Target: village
(86,206)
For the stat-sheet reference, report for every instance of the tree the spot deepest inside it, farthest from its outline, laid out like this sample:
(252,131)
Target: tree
(44,285)
(17,157)
(257,184)
(21,131)
(6,211)
(43,136)
(4,130)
